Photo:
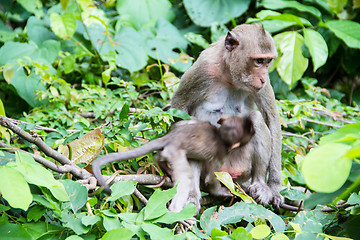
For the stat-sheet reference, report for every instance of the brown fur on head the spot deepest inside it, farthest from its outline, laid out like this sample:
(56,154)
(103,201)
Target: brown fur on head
(236,131)
(249,50)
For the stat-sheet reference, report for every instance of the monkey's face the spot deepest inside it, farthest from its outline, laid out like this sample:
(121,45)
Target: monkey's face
(250,52)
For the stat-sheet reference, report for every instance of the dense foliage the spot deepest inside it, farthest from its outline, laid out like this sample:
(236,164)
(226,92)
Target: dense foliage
(91,77)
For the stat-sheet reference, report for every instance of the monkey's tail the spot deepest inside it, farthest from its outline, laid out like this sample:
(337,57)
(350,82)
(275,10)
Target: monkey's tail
(154,145)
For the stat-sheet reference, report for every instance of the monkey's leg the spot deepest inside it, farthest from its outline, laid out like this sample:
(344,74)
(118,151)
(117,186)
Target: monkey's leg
(212,184)
(261,144)
(182,176)
(195,193)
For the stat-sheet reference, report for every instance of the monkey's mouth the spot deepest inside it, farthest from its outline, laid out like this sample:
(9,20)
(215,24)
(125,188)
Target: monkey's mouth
(253,87)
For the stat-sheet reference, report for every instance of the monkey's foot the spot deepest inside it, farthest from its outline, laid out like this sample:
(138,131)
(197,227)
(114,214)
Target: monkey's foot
(278,199)
(261,193)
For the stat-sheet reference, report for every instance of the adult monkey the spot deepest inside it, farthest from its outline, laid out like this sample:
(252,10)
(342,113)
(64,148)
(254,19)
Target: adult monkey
(230,78)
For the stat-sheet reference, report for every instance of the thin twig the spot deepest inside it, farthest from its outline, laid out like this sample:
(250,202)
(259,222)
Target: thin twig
(141,197)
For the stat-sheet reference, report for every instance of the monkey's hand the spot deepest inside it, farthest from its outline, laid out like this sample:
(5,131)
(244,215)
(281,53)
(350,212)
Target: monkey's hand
(261,193)
(278,199)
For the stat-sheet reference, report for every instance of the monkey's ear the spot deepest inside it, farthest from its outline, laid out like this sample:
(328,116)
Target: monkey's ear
(231,41)
(221,120)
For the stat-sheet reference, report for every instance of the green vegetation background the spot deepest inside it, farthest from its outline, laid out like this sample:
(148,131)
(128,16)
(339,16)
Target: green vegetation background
(91,77)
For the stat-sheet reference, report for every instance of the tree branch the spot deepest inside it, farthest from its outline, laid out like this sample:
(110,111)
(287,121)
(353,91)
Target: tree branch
(73,169)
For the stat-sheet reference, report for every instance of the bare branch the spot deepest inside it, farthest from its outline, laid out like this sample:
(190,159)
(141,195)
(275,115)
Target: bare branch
(35,140)
(143,179)
(141,197)
(46,129)
(75,170)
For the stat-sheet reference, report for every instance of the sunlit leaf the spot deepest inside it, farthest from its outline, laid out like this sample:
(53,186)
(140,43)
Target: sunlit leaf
(292,64)
(8,73)
(260,231)
(281,4)
(197,39)
(317,47)
(325,168)
(119,233)
(336,5)
(63,26)
(348,31)
(143,13)
(12,186)
(205,13)
(36,174)
(156,232)
(279,236)
(157,203)
(85,149)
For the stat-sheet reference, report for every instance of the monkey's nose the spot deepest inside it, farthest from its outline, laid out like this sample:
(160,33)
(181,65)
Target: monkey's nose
(262,80)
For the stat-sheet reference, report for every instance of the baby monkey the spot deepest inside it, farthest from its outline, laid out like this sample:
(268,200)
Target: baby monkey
(190,151)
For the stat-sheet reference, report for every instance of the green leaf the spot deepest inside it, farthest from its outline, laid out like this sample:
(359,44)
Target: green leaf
(33,6)
(38,31)
(144,13)
(120,189)
(130,49)
(8,74)
(166,44)
(279,236)
(217,233)
(63,26)
(74,237)
(156,206)
(350,131)
(90,220)
(78,194)
(111,223)
(197,39)
(291,64)
(234,214)
(36,174)
(157,233)
(73,221)
(178,113)
(293,194)
(10,52)
(226,179)
(260,231)
(317,47)
(13,231)
(12,186)
(325,169)
(281,4)
(119,233)
(6,33)
(35,213)
(336,5)
(240,233)
(205,13)
(346,30)
(172,217)
(26,86)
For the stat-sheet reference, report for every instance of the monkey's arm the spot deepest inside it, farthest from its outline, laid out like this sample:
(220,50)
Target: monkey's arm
(154,145)
(265,100)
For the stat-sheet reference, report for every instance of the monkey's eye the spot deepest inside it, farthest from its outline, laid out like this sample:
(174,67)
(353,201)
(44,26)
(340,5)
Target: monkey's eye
(260,61)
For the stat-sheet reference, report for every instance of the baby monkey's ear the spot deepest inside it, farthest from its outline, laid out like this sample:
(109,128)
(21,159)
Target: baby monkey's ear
(221,120)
